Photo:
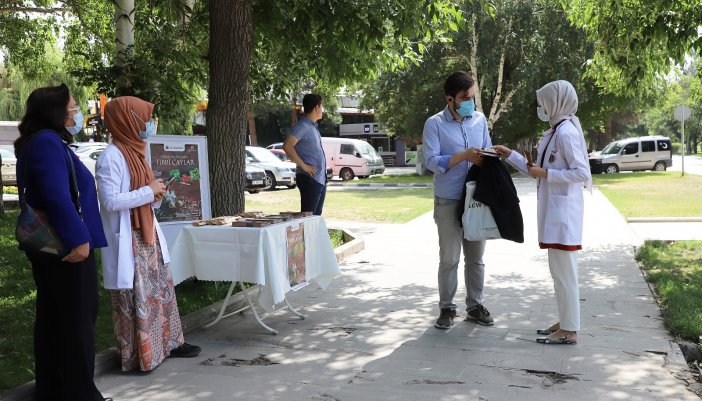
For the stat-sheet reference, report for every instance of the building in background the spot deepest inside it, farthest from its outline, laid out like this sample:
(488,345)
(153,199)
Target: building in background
(360,124)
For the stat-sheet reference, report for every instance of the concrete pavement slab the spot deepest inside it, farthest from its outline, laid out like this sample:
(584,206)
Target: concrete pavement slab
(370,334)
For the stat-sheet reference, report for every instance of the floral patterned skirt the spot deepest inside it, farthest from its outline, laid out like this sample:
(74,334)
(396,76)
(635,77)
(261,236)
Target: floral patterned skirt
(146,319)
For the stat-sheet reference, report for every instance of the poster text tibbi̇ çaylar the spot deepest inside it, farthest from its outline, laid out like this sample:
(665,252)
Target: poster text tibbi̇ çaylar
(181,168)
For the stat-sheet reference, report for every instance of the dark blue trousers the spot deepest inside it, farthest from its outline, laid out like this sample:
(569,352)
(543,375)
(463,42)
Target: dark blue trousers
(312,194)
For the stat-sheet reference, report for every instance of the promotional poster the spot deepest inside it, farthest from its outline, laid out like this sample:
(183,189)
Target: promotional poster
(296,256)
(179,167)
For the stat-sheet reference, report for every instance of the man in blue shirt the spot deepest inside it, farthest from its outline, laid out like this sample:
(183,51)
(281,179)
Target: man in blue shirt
(304,148)
(452,139)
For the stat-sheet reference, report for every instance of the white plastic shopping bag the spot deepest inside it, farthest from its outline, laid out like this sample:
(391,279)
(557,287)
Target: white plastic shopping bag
(478,223)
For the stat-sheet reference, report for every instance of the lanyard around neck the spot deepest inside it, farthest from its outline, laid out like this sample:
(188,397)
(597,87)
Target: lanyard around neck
(543,154)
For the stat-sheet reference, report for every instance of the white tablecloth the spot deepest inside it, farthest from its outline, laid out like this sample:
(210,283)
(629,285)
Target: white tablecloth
(253,255)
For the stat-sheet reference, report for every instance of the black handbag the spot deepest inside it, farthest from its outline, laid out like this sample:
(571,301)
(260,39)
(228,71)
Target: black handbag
(34,232)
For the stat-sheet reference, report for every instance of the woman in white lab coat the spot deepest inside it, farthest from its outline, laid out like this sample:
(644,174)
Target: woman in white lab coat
(562,170)
(135,262)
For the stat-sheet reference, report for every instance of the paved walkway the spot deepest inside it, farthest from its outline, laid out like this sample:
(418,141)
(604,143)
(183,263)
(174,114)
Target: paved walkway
(370,335)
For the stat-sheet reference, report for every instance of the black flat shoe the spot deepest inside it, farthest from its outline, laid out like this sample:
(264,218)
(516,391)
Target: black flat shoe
(185,351)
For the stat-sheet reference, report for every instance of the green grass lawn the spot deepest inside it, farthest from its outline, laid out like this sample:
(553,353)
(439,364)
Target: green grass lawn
(392,179)
(652,194)
(675,269)
(383,206)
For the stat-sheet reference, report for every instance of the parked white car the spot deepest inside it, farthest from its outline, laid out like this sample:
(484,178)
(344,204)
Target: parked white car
(277,145)
(88,152)
(349,158)
(89,158)
(653,153)
(277,172)
(9,163)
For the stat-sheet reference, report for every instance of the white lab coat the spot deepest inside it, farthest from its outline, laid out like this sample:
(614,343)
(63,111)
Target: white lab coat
(560,204)
(116,199)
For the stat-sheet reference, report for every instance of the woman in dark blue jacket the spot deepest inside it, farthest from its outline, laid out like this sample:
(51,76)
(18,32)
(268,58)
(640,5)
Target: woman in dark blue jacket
(67,292)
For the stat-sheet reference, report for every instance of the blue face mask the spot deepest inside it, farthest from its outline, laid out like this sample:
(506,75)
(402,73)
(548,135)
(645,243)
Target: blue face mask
(467,108)
(78,119)
(149,131)
(149,128)
(541,113)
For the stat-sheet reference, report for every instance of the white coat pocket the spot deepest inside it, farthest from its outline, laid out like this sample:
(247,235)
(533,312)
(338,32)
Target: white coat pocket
(556,222)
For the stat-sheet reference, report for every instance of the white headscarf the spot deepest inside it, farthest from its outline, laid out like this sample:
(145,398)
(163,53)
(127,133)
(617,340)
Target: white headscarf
(560,102)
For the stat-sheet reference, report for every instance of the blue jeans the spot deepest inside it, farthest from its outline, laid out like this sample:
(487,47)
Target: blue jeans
(312,194)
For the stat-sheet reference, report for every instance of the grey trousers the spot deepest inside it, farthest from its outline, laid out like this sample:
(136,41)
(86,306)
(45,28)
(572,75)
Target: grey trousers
(450,243)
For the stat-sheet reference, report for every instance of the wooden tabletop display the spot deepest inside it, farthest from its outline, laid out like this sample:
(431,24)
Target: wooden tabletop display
(217,221)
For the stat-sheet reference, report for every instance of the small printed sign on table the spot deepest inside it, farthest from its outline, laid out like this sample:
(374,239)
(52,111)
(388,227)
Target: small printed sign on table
(296,256)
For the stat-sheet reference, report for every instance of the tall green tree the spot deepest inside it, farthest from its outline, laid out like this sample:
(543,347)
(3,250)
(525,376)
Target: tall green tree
(16,84)
(636,41)
(243,49)
(276,44)
(521,46)
(682,89)
(26,27)
(155,50)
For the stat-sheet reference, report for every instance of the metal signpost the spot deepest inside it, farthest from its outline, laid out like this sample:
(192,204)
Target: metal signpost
(682,113)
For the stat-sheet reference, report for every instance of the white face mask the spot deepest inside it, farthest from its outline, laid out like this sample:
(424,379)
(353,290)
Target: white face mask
(78,119)
(541,113)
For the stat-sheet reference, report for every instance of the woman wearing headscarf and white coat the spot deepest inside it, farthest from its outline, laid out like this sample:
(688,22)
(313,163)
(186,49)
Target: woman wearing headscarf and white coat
(562,170)
(135,262)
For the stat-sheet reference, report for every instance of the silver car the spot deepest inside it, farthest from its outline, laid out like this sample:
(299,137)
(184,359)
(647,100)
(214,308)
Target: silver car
(277,172)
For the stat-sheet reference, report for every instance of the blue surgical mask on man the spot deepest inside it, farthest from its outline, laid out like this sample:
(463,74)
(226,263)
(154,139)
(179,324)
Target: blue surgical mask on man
(467,108)
(78,119)
(541,113)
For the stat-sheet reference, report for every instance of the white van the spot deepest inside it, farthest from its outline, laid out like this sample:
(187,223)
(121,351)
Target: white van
(633,154)
(349,158)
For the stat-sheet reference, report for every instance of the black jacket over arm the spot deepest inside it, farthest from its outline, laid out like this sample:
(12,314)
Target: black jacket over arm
(494,188)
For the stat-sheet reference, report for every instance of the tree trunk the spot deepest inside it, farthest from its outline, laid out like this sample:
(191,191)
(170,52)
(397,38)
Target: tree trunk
(231,27)
(293,116)
(497,107)
(251,121)
(473,62)
(124,42)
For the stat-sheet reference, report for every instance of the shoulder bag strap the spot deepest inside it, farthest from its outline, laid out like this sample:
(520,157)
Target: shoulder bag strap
(75,192)
(555,131)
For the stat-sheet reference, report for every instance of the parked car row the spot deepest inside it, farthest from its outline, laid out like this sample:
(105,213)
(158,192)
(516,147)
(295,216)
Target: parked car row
(277,172)
(264,169)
